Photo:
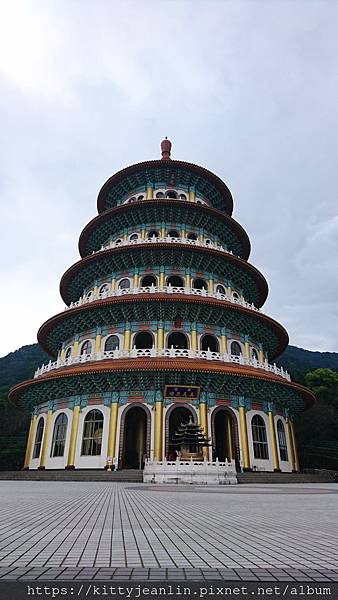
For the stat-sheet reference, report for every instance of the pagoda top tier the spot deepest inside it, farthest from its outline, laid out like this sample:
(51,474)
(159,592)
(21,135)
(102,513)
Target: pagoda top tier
(167,173)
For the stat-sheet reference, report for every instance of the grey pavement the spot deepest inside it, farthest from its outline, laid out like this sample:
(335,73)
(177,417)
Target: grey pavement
(102,531)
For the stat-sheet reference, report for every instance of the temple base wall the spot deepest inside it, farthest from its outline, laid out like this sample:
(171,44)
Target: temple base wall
(190,472)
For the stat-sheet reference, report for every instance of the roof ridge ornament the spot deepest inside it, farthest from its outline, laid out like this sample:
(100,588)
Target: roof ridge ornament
(166,149)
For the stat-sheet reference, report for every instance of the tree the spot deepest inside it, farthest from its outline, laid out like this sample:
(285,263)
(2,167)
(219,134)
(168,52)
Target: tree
(324,384)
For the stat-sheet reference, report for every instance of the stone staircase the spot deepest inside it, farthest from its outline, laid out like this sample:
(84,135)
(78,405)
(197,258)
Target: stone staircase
(265,477)
(128,475)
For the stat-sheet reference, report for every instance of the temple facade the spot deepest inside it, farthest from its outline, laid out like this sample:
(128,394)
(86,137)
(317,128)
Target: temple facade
(163,325)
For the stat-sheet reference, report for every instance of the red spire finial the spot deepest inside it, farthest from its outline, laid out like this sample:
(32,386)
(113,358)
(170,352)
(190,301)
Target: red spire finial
(166,149)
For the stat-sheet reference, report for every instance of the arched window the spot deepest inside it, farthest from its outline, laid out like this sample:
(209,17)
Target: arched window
(103,291)
(124,284)
(254,354)
(283,448)
(92,433)
(182,197)
(133,237)
(220,289)
(86,348)
(207,241)
(119,241)
(210,342)
(148,281)
(38,438)
(199,202)
(59,435)
(192,236)
(132,199)
(235,296)
(112,343)
(235,349)
(175,281)
(68,353)
(177,340)
(173,233)
(89,296)
(140,197)
(260,443)
(152,234)
(200,284)
(143,340)
(159,195)
(171,194)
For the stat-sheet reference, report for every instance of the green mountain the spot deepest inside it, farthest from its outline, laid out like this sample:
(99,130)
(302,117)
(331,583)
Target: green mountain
(317,429)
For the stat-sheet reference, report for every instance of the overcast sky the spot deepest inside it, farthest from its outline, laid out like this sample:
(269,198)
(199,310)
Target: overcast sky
(247,89)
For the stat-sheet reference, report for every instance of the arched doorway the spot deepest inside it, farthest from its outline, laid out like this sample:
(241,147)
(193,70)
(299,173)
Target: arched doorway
(143,340)
(200,284)
(210,342)
(148,281)
(177,340)
(134,443)
(175,281)
(224,433)
(174,417)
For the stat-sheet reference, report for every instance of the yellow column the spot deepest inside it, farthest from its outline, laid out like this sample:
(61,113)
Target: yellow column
(158,452)
(188,280)
(98,342)
(125,236)
(224,344)
(45,440)
(73,438)
(192,195)
(276,466)
(229,291)
(194,339)
(114,411)
(182,232)
(204,426)
(127,337)
(244,439)
(229,439)
(246,349)
(62,355)
(136,279)
(150,191)
(210,286)
(113,284)
(75,348)
(291,448)
(143,233)
(201,236)
(295,453)
(31,436)
(260,356)
(163,230)
(95,292)
(161,280)
(160,336)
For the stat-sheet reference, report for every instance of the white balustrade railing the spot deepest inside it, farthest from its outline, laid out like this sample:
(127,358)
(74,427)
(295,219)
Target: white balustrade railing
(167,239)
(165,353)
(168,289)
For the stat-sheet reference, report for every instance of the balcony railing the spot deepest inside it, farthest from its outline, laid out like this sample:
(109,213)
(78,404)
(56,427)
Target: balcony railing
(168,289)
(165,353)
(167,239)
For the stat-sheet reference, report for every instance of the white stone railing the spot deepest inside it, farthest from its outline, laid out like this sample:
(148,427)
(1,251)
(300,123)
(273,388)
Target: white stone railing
(167,239)
(168,289)
(165,353)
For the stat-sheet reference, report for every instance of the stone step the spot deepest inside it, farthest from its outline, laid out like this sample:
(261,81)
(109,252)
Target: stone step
(128,475)
(266,477)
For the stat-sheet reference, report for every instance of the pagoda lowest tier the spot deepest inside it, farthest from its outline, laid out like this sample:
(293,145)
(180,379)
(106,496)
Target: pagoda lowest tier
(163,326)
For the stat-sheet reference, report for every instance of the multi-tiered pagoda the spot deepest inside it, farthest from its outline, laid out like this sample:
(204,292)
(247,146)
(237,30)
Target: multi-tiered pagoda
(162,324)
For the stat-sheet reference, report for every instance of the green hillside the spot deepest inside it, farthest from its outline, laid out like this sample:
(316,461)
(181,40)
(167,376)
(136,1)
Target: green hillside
(317,429)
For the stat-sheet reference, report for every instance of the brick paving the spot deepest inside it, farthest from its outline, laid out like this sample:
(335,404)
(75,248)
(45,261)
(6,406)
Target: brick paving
(103,531)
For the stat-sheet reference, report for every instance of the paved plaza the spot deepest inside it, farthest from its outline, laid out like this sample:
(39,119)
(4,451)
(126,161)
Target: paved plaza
(85,530)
